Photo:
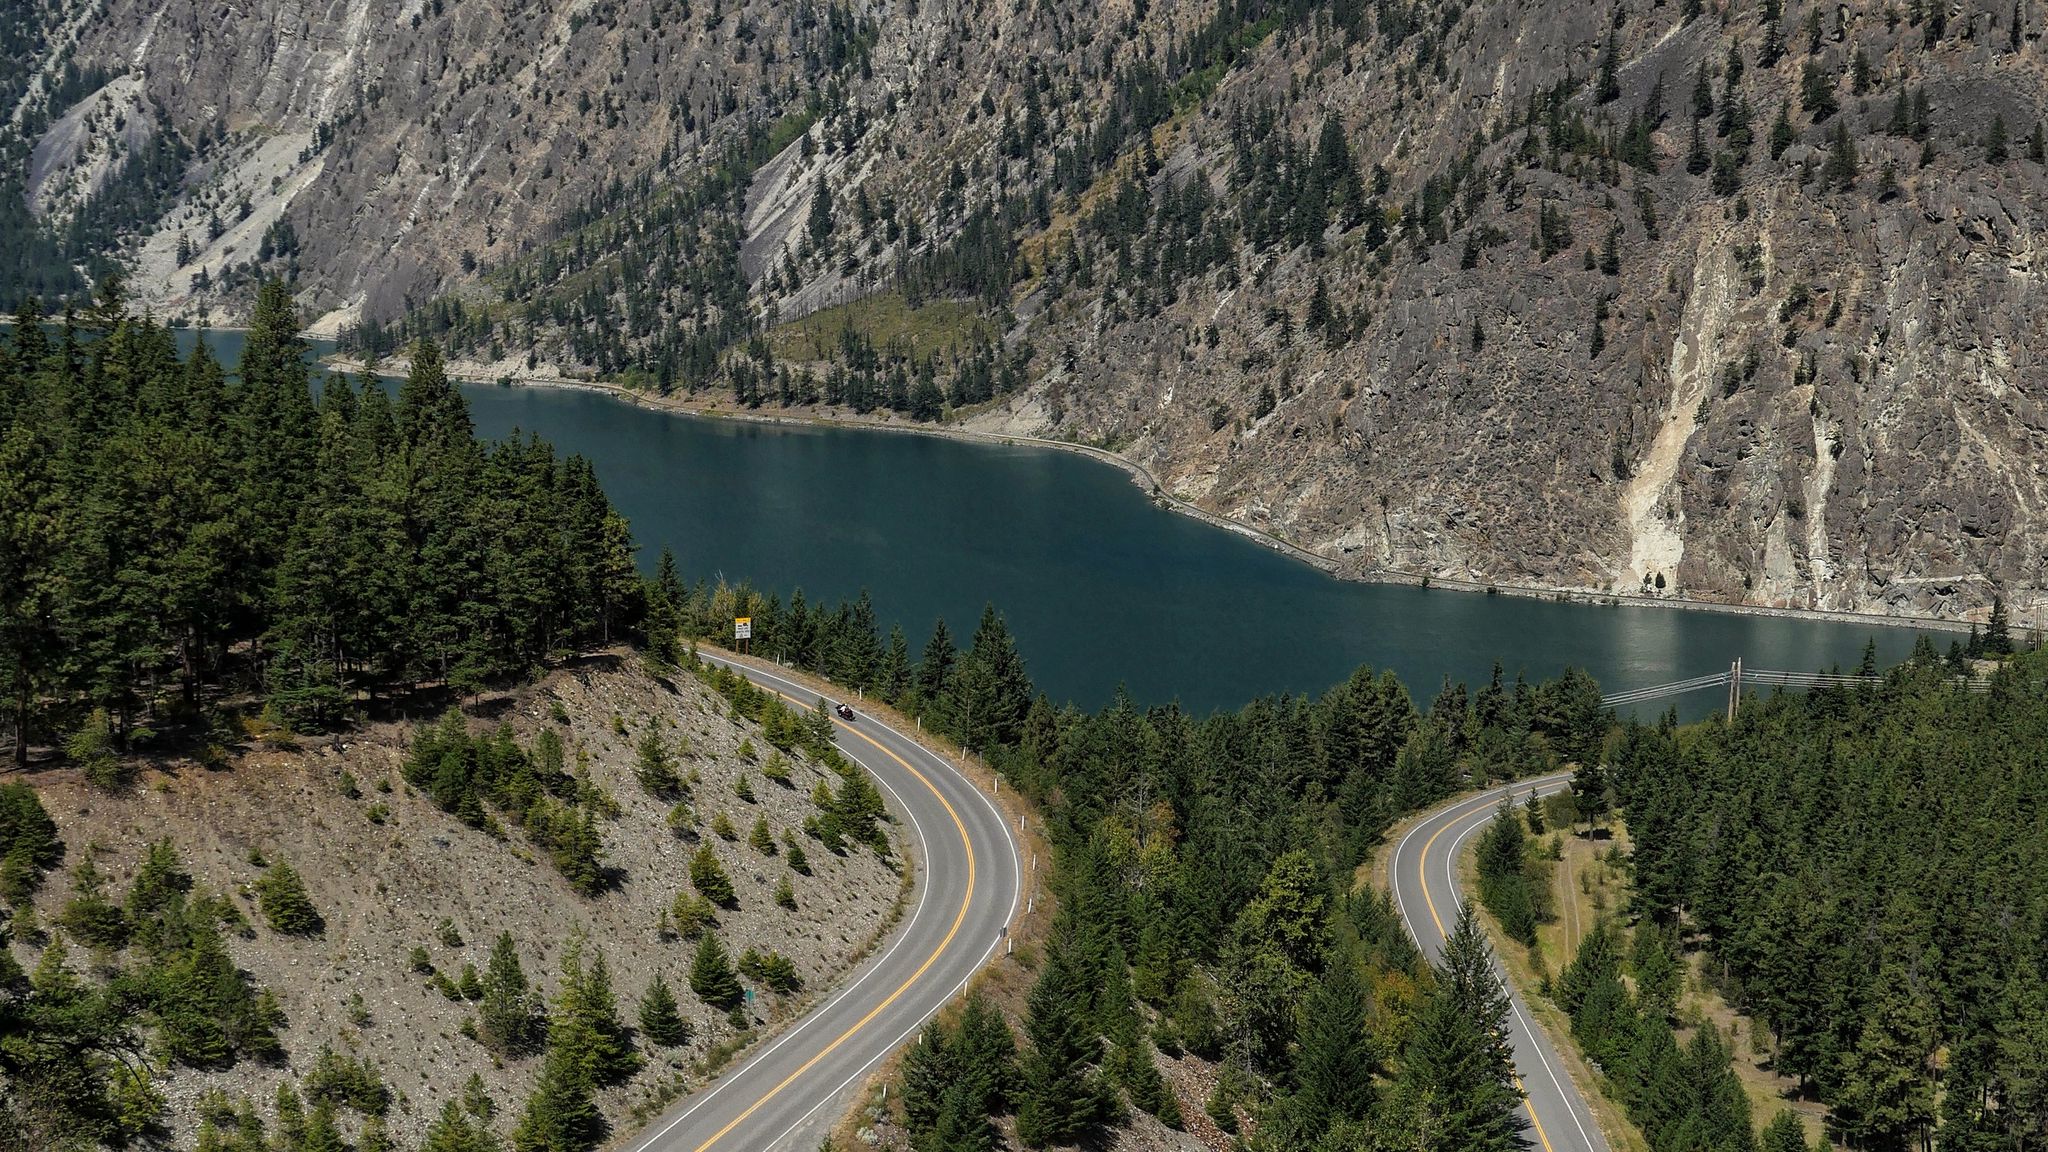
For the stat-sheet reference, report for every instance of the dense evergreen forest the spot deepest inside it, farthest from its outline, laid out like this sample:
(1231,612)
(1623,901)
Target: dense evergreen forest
(1867,870)
(174,537)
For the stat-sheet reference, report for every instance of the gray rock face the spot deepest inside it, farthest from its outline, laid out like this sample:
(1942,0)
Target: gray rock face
(434,140)
(1806,394)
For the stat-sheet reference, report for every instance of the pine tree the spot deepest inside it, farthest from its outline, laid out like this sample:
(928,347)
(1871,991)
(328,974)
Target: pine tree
(1335,1062)
(985,1055)
(1783,1134)
(819,224)
(458,1131)
(1503,874)
(1132,1065)
(506,1015)
(1320,316)
(1817,91)
(990,693)
(655,767)
(711,974)
(960,1126)
(928,1069)
(562,1114)
(1886,1097)
(1697,158)
(1998,632)
(291,1116)
(1607,88)
(1839,173)
(1458,1059)
(708,877)
(579,851)
(660,1022)
(35,528)
(323,1134)
(586,1020)
(1782,134)
(665,611)
(1062,1095)
(285,904)
(893,678)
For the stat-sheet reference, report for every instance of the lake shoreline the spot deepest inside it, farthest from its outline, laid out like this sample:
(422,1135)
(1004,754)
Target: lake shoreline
(474,373)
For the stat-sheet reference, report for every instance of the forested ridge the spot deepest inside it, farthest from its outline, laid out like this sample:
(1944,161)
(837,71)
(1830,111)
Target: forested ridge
(1867,871)
(177,538)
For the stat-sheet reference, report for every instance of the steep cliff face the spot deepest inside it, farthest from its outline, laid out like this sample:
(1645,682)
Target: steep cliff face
(403,145)
(1728,301)
(1806,390)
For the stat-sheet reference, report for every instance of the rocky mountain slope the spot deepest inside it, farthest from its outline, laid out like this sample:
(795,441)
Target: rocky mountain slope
(409,900)
(1728,301)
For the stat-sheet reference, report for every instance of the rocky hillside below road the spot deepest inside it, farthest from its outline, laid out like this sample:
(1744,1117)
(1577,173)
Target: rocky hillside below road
(1728,301)
(396,878)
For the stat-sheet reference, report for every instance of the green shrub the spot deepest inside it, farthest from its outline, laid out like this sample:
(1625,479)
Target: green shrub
(347,1082)
(282,896)
(770,968)
(693,914)
(92,749)
(708,876)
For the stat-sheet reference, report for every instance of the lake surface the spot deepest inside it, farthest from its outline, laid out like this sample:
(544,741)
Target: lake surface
(1101,586)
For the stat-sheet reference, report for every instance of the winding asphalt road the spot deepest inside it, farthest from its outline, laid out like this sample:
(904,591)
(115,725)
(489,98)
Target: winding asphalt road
(1424,879)
(789,1094)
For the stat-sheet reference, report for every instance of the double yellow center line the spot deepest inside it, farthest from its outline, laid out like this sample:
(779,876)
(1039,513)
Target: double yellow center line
(959,918)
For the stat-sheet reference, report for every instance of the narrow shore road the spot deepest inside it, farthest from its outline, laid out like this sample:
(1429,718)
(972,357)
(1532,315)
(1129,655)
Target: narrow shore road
(1423,876)
(790,1093)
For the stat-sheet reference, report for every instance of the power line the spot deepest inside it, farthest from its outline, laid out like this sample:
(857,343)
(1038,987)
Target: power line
(1760,677)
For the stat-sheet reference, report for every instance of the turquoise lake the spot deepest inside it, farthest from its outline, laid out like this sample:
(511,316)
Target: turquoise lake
(1101,586)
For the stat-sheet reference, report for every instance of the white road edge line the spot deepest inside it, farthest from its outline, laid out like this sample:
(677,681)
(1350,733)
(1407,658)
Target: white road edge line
(1514,1000)
(647,1140)
(1016,889)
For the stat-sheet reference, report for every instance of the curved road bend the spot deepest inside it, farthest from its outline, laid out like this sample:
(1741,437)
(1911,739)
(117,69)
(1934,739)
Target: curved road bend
(1423,877)
(790,1093)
